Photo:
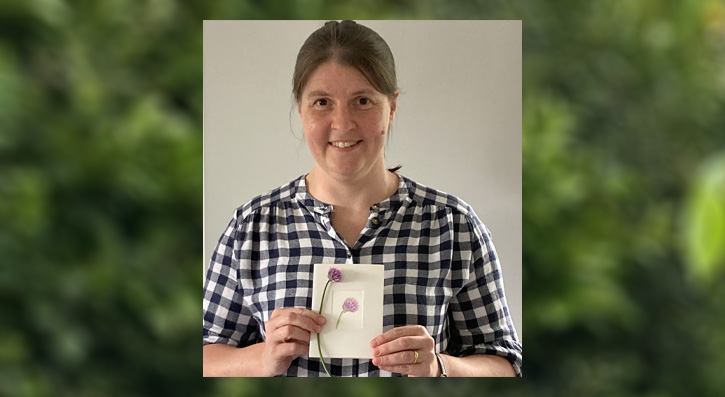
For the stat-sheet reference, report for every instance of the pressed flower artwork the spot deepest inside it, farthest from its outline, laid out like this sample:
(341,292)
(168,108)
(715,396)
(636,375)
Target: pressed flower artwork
(349,306)
(350,296)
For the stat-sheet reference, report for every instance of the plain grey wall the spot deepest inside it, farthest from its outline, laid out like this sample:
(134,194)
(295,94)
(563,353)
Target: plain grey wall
(457,127)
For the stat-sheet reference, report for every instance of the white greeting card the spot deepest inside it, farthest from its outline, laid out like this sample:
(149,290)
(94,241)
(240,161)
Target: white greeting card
(359,297)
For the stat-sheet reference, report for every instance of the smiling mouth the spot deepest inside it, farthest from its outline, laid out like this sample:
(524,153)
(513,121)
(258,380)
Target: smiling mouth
(343,145)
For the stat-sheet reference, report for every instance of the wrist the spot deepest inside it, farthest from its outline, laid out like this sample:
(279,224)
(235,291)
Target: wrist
(263,368)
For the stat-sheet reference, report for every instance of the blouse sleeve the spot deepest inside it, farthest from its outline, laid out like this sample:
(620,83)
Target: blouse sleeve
(227,319)
(478,312)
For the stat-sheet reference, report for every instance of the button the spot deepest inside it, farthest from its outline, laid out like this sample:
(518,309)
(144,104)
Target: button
(375,221)
(375,207)
(349,255)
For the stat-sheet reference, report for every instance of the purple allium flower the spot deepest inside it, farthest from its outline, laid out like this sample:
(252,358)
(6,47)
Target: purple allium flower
(334,275)
(350,305)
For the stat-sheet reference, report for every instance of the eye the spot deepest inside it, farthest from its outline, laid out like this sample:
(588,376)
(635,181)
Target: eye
(321,102)
(363,101)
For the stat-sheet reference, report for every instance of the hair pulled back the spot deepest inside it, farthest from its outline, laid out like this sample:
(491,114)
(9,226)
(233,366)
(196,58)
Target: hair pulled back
(350,44)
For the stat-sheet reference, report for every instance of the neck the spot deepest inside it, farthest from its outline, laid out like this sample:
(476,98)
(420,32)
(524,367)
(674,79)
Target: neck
(351,193)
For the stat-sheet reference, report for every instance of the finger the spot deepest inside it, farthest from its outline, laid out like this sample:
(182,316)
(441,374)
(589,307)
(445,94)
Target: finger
(290,333)
(295,318)
(299,311)
(290,350)
(406,343)
(304,324)
(398,332)
(407,357)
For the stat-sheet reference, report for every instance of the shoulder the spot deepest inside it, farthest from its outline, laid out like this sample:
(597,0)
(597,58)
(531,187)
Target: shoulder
(275,198)
(425,196)
(430,200)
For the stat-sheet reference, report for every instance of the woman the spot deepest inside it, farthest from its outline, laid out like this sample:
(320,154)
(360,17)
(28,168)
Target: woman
(445,312)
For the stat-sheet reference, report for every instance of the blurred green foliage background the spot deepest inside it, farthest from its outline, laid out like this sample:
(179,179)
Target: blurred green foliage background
(101,197)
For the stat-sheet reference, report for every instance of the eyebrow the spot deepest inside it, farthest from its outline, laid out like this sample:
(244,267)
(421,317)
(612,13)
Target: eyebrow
(318,93)
(364,91)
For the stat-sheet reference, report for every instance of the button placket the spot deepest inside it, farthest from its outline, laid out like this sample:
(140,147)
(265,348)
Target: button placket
(375,220)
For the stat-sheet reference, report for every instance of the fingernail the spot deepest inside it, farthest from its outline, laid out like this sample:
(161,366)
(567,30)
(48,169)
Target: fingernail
(322,320)
(373,343)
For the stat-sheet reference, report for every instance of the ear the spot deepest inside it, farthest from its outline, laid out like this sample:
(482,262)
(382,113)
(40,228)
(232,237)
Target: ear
(394,105)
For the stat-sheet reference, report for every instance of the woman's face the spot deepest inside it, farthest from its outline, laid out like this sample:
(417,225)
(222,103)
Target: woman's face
(345,121)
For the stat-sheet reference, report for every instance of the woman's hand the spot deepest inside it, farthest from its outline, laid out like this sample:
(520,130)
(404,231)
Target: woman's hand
(288,337)
(395,351)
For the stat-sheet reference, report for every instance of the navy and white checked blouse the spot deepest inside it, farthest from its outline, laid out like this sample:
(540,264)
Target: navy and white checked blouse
(441,272)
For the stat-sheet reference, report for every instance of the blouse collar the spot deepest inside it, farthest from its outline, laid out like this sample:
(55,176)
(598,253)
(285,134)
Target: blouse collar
(394,202)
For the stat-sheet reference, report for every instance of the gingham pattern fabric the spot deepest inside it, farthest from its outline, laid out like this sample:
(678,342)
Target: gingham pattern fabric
(441,272)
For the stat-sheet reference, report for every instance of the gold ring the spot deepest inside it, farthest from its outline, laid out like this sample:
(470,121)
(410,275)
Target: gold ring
(416,357)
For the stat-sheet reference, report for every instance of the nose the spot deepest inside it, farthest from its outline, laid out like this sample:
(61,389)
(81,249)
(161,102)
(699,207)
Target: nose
(342,119)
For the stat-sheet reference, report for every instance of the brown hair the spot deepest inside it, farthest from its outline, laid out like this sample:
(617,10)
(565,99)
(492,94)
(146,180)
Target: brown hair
(351,44)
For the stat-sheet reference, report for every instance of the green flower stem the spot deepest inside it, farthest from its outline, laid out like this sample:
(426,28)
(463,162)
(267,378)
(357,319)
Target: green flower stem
(339,318)
(319,346)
